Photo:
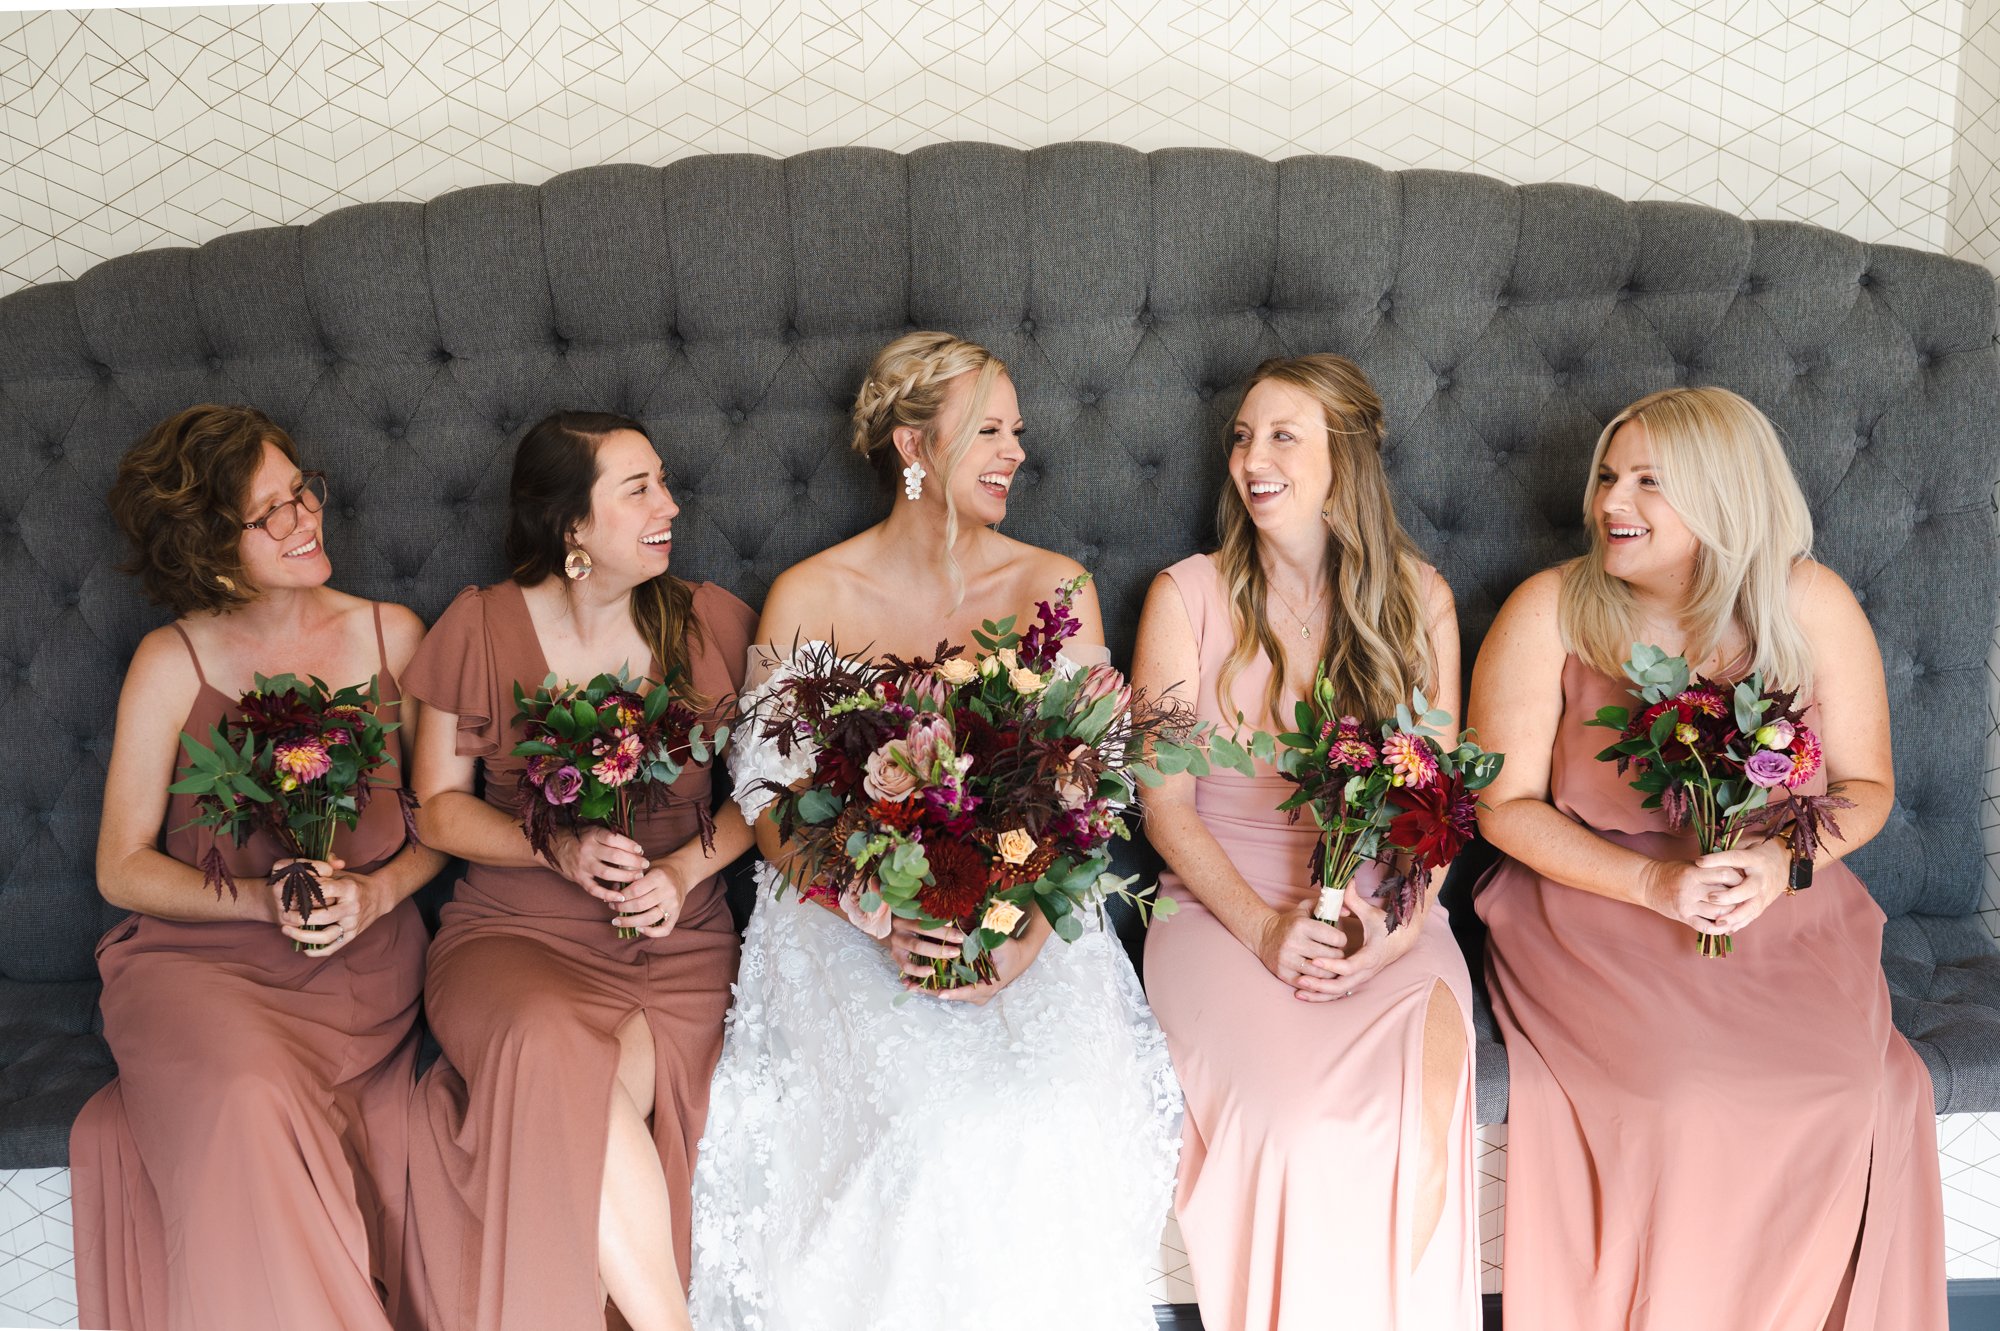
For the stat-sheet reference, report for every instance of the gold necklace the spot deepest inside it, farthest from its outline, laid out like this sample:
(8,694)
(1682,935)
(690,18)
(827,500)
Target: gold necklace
(1305,628)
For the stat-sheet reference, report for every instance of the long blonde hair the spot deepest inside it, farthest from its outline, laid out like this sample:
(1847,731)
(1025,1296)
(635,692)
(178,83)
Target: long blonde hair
(1378,643)
(905,387)
(1721,467)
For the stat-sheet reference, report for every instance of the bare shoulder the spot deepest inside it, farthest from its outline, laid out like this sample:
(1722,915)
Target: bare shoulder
(1531,619)
(402,630)
(1438,600)
(1032,570)
(1820,597)
(801,598)
(162,671)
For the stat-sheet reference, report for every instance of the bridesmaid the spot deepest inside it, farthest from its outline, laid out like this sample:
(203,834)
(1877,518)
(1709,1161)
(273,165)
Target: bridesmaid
(246,1169)
(553,1162)
(1745,1142)
(1327,1155)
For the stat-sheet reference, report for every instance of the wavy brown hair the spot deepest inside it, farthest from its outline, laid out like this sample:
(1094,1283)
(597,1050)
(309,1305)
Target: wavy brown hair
(179,498)
(1378,642)
(555,467)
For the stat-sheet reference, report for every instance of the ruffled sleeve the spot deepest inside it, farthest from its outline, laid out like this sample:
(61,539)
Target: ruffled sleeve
(727,625)
(455,670)
(753,757)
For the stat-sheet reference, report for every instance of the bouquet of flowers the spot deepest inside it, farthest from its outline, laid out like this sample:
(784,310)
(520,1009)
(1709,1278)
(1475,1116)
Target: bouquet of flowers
(299,763)
(1711,756)
(599,753)
(969,790)
(1389,793)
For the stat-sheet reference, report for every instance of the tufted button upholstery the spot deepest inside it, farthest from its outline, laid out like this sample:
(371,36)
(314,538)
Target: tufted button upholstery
(1139,269)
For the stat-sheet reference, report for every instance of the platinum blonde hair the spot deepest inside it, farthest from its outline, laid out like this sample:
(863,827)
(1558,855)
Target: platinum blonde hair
(905,388)
(1720,465)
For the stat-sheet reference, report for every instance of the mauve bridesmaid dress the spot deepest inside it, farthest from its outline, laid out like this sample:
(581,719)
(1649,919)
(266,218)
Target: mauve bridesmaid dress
(528,984)
(246,1170)
(1742,1143)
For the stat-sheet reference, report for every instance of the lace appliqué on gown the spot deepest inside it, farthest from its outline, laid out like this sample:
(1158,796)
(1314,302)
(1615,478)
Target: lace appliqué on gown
(872,1163)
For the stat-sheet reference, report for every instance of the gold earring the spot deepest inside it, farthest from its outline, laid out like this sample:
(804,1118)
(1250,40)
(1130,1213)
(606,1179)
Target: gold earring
(225,582)
(576,564)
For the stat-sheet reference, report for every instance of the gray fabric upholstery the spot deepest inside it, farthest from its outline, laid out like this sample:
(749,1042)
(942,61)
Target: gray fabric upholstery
(732,302)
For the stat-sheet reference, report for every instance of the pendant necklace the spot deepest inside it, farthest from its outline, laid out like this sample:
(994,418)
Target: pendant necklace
(1305,628)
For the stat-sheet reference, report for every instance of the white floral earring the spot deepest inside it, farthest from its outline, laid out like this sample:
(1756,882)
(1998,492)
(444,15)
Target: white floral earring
(913,480)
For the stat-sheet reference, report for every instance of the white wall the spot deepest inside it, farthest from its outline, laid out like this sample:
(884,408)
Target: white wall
(128,129)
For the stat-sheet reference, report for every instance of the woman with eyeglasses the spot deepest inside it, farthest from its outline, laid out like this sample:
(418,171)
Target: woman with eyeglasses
(247,1169)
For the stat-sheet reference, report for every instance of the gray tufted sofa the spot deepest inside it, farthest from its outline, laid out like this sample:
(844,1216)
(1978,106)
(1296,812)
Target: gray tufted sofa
(732,302)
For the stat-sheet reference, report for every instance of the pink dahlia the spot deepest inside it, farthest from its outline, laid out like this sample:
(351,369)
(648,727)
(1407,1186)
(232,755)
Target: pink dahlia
(1350,748)
(1806,758)
(619,765)
(1410,759)
(303,760)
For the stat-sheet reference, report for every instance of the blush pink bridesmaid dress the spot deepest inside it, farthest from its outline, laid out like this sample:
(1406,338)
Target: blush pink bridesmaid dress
(1744,1143)
(1298,1180)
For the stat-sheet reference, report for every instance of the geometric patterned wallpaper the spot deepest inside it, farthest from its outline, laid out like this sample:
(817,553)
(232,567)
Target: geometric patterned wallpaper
(129,129)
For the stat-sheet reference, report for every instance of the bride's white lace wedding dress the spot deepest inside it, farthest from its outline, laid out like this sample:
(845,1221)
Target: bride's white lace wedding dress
(879,1160)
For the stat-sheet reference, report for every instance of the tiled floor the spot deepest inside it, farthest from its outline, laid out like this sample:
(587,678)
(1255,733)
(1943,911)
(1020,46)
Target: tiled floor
(37,1282)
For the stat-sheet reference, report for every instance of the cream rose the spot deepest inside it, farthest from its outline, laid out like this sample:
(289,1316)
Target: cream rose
(1001,917)
(957,672)
(1025,681)
(1016,845)
(884,778)
(1008,658)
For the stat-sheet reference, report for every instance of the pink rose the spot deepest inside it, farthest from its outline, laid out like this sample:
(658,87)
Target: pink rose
(886,777)
(874,923)
(562,786)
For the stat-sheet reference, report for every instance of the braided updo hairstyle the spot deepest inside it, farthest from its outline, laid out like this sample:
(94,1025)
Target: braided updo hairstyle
(905,388)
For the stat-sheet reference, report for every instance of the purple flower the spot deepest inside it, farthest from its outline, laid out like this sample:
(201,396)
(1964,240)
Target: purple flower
(563,785)
(1768,769)
(541,766)
(1054,625)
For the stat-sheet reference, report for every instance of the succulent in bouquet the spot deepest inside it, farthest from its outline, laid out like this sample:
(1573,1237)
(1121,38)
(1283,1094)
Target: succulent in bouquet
(970,790)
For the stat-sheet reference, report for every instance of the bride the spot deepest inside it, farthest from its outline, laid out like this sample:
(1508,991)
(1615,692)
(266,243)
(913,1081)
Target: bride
(998,1156)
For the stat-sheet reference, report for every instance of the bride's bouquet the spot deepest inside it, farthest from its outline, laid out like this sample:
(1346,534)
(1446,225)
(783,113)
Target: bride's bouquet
(1391,793)
(599,753)
(967,790)
(298,761)
(1711,757)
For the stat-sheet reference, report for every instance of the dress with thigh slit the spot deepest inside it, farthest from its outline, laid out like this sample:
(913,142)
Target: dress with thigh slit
(1298,1198)
(528,986)
(246,1168)
(1744,1142)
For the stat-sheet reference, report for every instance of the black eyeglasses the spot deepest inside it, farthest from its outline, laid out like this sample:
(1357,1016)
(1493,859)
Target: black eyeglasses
(283,519)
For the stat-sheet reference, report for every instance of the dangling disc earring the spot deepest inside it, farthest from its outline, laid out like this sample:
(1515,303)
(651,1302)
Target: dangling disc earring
(913,481)
(576,564)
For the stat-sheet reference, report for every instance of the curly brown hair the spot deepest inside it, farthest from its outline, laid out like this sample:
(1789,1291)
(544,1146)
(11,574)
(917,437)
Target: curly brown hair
(179,499)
